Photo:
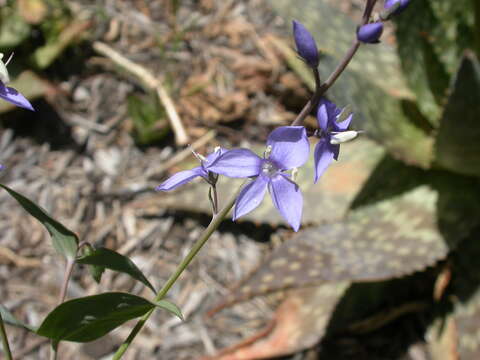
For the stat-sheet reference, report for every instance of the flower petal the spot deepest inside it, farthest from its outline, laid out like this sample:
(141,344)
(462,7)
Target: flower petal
(13,96)
(181,178)
(237,163)
(342,126)
(288,200)
(214,155)
(323,155)
(327,113)
(290,146)
(250,197)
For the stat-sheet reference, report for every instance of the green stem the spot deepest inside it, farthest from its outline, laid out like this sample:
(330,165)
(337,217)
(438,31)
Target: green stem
(3,335)
(214,224)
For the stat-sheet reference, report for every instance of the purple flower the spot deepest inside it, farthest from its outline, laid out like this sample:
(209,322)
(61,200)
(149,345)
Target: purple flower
(332,134)
(306,46)
(183,177)
(287,148)
(13,96)
(399,4)
(370,33)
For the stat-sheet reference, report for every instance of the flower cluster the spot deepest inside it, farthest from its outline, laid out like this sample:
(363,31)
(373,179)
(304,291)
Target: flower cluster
(286,150)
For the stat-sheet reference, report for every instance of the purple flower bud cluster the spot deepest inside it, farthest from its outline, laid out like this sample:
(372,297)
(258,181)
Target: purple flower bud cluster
(287,149)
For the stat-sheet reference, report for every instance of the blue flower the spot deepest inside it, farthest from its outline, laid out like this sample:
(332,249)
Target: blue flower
(287,148)
(306,46)
(183,177)
(370,33)
(10,94)
(332,134)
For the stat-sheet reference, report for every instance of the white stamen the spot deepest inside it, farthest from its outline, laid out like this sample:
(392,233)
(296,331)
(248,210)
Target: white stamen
(294,174)
(200,157)
(4,77)
(343,136)
(267,152)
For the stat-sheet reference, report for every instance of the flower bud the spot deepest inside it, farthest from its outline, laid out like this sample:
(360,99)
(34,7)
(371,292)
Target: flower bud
(306,46)
(370,33)
(399,5)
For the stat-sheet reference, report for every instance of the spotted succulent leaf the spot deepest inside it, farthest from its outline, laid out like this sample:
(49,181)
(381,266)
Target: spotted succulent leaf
(458,139)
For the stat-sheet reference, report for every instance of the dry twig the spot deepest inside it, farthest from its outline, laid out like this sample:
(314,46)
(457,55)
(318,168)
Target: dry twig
(149,80)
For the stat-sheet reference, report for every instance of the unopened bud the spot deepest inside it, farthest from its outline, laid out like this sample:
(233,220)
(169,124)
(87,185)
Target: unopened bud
(395,7)
(306,46)
(370,33)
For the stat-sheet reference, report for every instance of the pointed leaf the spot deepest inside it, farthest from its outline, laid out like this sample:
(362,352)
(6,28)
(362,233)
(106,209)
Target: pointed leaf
(114,261)
(171,308)
(94,270)
(88,318)
(64,240)
(458,139)
(9,318)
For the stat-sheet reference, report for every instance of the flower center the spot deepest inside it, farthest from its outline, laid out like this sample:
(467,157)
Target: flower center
(269,169)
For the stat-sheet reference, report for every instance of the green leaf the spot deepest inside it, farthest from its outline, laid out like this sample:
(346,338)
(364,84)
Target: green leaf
(95,271)
(147,116)
(171,308)
(458,139)
(423,69)
(114,261)
(44,56)
(88,318)
(9,318)
(64,240)
(13,28)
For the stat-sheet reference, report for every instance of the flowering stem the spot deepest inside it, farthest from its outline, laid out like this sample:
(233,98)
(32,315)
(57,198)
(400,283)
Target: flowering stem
(321,89)
(312,103)
(3,335)
(214,224)
(63,294)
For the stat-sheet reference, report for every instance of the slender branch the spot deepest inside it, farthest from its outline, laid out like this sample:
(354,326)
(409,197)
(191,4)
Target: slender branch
(340,67)
(214,224)
(3,335)
(312,103)
(61,298)
(215,199)
(66,279)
